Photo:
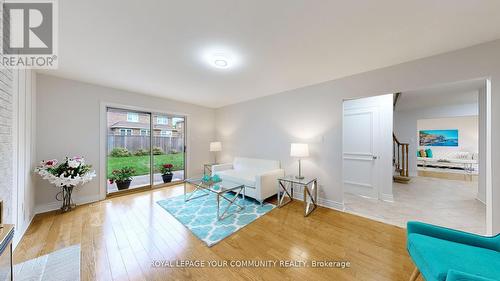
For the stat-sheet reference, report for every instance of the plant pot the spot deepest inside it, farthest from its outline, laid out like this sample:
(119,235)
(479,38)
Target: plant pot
(167,178)
(123,184)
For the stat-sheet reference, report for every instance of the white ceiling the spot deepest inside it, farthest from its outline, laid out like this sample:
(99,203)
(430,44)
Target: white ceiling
(465,92)
(154,47)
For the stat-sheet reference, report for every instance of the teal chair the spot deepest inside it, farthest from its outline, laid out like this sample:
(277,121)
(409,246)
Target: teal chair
(443,254)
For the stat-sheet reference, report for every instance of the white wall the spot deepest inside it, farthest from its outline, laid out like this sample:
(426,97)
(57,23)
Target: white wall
(68,123)
(468,132)
(382,145)
(17,149)
(405,125)
(264,127)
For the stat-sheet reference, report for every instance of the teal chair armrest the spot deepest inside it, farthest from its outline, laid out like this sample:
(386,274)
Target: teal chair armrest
(454,275)
(492,243)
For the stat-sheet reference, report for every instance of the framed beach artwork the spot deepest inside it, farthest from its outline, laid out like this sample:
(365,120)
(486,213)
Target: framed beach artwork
(438,137)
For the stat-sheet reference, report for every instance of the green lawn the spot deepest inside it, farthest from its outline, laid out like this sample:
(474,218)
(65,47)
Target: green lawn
(141,163)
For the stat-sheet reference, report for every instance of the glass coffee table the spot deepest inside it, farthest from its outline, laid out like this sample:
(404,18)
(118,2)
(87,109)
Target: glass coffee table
(220,189)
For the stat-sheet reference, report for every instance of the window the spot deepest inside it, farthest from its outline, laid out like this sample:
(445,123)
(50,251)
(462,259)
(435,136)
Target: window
(164,133)
(162,120)
(126,132)
(144,132)
(132,117)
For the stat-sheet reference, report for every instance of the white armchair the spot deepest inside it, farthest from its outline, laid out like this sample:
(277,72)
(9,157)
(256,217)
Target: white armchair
(259,176)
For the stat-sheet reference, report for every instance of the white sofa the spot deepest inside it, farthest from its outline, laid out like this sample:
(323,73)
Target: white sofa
(259,176)
(451,159)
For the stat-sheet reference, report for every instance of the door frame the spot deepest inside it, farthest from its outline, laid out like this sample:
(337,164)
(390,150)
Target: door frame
(103,139)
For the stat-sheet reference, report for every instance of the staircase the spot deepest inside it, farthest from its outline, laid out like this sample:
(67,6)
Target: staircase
(399,153)
(400,160)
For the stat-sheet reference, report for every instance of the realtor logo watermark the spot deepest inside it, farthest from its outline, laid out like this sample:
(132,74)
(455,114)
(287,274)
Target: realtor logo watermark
(29,34)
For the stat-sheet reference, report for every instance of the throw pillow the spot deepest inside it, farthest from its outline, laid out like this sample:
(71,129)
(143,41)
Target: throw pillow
(422,153)
(418,153)
(428,151)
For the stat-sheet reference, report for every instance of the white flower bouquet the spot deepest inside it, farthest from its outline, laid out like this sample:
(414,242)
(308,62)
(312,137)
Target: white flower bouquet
(70,173)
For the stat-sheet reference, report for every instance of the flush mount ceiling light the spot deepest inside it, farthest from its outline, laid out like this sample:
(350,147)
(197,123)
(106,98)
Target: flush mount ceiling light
(220,60)
(219,57)
(221,63)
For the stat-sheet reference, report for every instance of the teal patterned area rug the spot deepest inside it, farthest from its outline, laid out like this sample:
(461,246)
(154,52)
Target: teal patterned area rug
(200,215)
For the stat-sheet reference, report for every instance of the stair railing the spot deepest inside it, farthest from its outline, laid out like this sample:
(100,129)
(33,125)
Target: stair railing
(400,156)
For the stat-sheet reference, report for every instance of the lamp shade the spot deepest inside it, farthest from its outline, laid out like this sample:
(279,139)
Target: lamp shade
(299,150)
(215,146)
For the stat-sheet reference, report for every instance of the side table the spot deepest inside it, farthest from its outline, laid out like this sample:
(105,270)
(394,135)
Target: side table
(207,168)
(310,186)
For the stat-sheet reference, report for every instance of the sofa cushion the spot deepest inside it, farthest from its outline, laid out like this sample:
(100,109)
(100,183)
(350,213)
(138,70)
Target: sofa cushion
(257,165)
(427,159)
(246,177)
(452,155)
(462,155)
(435,257)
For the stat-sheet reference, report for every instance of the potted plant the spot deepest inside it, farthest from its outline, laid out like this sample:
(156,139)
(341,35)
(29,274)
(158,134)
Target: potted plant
(67,175)
(166,172)
(122,177)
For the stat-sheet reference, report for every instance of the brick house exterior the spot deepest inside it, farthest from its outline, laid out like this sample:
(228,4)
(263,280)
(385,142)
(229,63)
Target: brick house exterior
(121,122)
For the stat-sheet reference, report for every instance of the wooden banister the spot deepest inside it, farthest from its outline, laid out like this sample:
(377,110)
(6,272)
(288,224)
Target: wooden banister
(400,156)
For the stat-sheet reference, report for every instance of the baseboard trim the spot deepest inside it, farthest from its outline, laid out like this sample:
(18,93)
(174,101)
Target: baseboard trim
(387,197)
(20,235)
(323,202)
(479,199)
(52,206)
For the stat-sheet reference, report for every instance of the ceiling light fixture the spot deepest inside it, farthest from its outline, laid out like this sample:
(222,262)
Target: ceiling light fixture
(220,60)
(221,63)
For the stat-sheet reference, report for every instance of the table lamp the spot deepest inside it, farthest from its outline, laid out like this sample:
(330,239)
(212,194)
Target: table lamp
(299,150)
(215,147)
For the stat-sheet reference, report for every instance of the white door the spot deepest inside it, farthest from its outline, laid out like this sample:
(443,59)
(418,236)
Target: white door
(360,137)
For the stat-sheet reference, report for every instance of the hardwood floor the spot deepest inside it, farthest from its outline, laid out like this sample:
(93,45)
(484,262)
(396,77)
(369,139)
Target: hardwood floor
(121,236)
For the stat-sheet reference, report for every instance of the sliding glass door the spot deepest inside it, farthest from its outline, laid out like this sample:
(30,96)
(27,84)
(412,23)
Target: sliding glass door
(168,148)
(129,143)
(138,141)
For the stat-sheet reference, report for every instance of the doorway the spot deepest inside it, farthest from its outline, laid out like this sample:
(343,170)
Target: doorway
(440,164)
(143,149)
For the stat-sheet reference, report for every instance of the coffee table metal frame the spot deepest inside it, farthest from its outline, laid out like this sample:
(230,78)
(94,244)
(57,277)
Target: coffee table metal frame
(208,188)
